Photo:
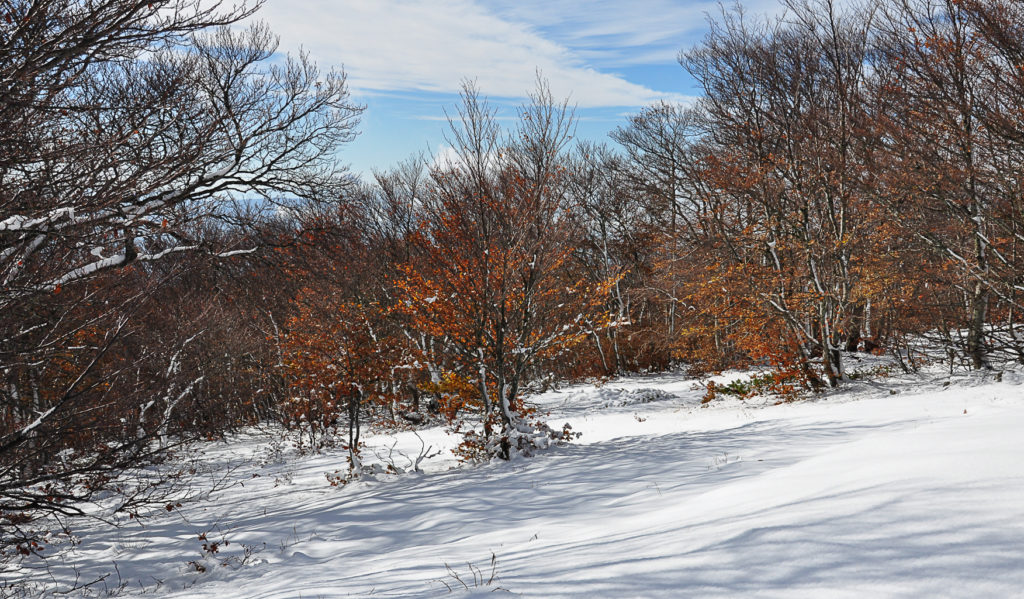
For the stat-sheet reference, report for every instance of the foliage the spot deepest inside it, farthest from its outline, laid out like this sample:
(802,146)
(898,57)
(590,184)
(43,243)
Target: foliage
(128,131)
(182,254)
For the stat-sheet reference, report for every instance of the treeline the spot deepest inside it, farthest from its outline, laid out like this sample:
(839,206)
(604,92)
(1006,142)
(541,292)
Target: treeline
(856,180)
(182,255)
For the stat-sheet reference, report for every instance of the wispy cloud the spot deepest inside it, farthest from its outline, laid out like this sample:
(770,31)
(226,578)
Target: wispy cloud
(611,32)
(403,45)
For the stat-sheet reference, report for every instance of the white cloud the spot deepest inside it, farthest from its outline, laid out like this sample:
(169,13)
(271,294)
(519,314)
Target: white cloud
(445,157)
(404,45)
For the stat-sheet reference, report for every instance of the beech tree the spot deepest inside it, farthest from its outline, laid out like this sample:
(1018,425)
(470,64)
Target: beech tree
(949,84)
(126,130)
(935,90)
(490,279)
(609,220)
(786,133)
(999,23)
(339,358)
(658,166)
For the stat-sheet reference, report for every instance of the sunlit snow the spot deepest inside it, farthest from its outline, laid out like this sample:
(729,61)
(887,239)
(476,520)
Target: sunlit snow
(901,487)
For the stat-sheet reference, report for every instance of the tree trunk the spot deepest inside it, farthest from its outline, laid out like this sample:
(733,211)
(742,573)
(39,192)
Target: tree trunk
(976,330)
(355,398)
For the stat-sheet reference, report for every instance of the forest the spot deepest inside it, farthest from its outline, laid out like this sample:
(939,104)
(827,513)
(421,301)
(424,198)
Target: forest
(183,253)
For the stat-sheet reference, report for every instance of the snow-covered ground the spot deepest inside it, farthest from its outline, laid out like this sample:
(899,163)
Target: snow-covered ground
(902,487)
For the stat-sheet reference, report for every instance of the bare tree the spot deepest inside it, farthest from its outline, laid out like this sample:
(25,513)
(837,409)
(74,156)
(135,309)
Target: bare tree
(785,130)
(489,279)
(950,123)
(130,132)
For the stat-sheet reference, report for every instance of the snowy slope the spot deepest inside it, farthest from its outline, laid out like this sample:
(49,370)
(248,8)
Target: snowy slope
(893,488)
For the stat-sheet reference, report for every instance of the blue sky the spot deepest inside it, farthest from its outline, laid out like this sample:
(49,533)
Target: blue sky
(406,60)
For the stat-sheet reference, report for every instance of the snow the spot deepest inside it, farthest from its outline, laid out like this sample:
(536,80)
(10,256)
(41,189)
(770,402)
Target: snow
(35,423)
(900,487)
